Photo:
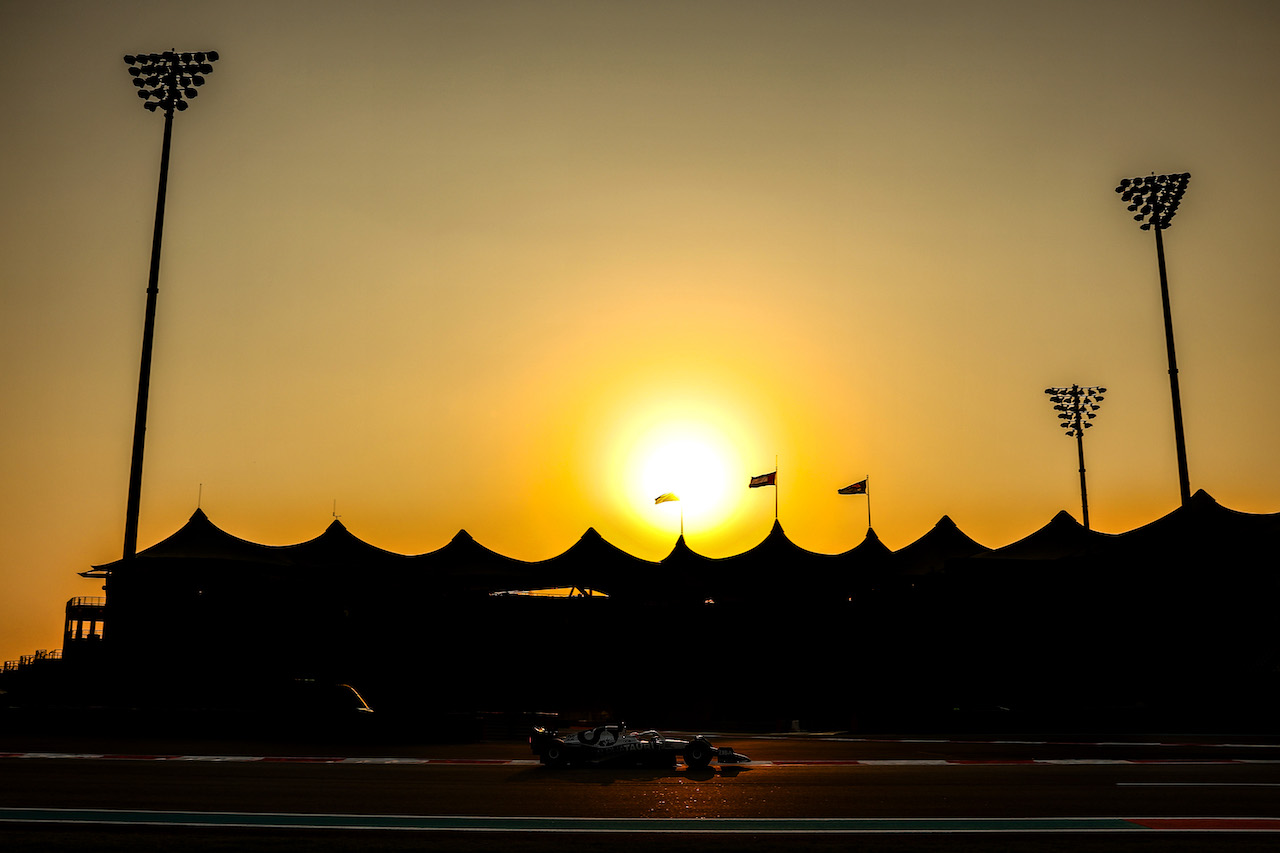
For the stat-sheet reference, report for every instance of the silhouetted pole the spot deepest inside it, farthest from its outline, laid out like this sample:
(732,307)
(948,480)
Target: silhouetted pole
(1084,489)
(1158,198)
(163,81)
(671,496)
(1076,407)
(862,487)
(1179,437)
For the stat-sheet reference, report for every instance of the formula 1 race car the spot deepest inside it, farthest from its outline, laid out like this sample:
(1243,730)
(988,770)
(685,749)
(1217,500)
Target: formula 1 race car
(614,745)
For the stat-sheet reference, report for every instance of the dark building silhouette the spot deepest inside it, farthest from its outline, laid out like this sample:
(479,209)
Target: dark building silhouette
(1168,620)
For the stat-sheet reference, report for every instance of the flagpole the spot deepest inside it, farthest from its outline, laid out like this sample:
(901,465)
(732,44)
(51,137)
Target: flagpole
(868,481)
(672,496)
(862,487)
(775,487)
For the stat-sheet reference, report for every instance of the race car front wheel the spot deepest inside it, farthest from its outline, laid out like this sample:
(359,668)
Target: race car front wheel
(697,754)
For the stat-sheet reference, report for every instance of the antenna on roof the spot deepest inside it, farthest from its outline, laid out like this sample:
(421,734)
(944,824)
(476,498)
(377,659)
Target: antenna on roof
(199,495)
(335,508)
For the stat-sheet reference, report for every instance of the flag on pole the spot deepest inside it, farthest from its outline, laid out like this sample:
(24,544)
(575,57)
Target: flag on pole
(858,488)
(770,479)
(671,496)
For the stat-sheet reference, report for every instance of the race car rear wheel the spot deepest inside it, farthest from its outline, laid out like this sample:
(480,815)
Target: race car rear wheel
(553,755)
(698,754)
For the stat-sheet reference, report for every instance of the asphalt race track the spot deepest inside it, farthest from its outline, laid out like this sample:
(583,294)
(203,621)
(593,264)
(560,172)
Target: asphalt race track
(810,792)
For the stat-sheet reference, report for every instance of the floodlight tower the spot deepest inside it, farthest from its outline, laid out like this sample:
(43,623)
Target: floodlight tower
(165,81)
(1153,201)
(1076,407)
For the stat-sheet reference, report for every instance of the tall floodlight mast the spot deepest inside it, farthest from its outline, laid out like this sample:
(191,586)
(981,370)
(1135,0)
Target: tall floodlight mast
(1076,407)
(1153,201)
(166,82)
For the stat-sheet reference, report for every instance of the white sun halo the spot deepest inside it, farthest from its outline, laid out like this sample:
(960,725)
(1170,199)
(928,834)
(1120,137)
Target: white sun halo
(692,464)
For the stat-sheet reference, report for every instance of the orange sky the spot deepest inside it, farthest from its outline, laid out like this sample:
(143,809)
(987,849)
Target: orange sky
(493,265)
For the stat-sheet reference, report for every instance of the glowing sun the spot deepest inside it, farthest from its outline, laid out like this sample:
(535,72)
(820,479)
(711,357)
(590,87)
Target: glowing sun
(695,463)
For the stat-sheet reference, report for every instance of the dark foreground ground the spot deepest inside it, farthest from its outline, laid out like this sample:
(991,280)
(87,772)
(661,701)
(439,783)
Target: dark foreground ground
(888,793)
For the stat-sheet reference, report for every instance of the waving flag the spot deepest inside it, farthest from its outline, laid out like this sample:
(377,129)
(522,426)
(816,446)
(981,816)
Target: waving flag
(858,488)
(770,479)
(664,497)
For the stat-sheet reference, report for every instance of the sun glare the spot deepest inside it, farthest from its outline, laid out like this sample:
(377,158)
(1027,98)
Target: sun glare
(657,430)
(697,465)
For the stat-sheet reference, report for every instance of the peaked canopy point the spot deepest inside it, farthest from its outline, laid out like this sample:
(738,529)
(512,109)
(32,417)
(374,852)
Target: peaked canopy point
(1202,518)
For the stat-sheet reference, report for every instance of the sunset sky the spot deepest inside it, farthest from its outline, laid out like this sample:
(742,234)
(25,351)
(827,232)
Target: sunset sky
(520,267)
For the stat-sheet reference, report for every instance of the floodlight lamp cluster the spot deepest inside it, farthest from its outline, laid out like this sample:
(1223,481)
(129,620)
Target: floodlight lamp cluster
(1154,200)
(166,81)
(1076,406)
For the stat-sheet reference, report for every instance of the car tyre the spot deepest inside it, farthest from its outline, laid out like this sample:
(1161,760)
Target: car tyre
(554,755)
(697,754)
